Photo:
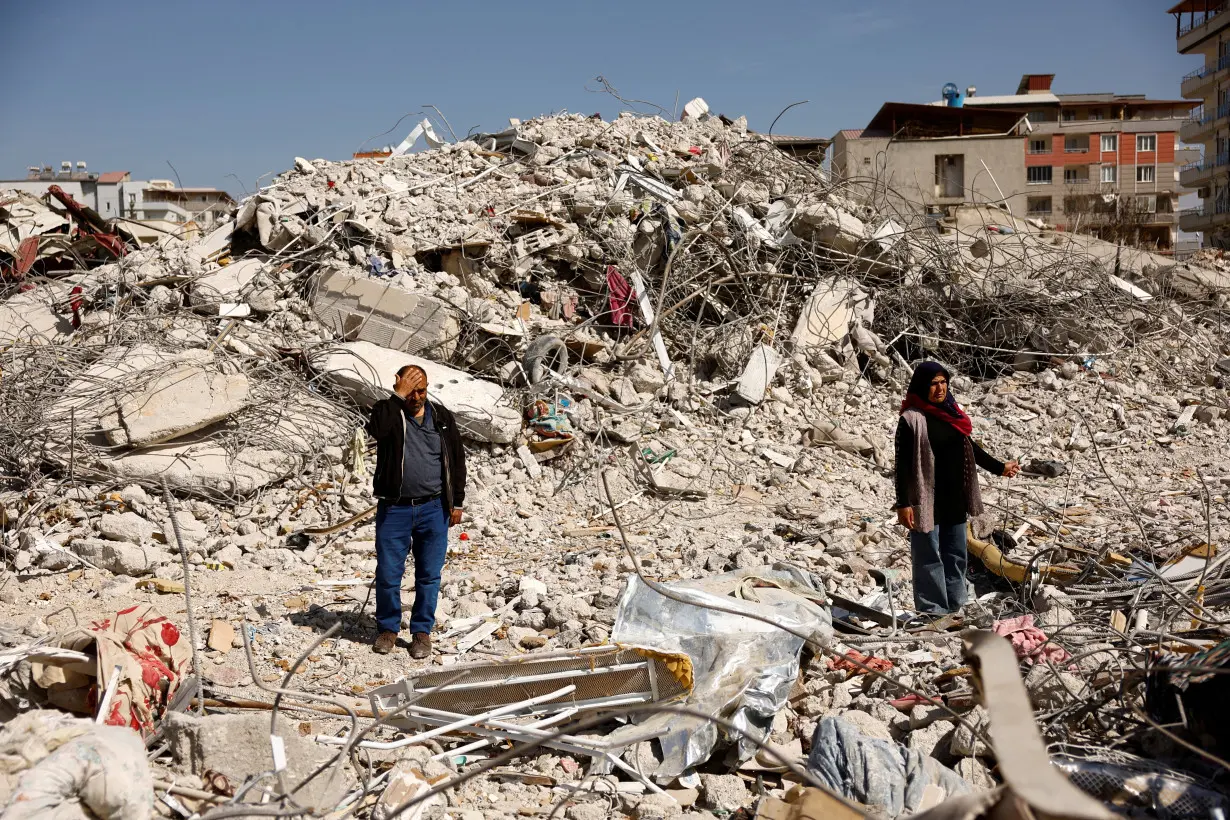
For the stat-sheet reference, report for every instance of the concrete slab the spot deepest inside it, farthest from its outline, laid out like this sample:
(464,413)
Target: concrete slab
(758,374)
(173,403)
(365,371)
(359,307)
(225,284)
(29,318)
(207,465)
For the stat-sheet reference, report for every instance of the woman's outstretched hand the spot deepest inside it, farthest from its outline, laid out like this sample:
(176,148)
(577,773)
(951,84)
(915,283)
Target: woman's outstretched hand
(1011,469)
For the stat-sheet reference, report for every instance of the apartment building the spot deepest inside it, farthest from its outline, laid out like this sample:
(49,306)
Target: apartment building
(1202,28)
(1101,163)
(156,204)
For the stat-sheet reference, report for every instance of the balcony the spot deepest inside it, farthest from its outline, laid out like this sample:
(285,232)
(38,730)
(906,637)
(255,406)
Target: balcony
(1204,217)
(1193,82)
(1197,27)
(1202,120)
(1193,173)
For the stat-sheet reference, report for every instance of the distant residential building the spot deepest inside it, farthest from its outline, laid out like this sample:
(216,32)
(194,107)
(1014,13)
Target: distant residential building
(205,206)
(115,195)
(1087,162)
(1202,27)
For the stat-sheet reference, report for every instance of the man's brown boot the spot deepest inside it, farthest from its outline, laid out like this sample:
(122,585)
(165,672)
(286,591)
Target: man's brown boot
(385,643)
(420,646)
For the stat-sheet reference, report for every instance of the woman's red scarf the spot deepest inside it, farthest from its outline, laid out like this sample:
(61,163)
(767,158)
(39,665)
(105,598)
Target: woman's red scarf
(948,412)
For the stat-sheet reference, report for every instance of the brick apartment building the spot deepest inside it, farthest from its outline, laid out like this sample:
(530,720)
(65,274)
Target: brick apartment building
(1203,28)
(1086,162)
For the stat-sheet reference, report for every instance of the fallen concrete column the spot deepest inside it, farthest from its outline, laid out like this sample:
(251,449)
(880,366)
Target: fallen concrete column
(360,308)
(365,372)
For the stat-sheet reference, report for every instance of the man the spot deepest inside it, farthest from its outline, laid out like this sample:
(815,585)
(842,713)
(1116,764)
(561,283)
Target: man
(420,483)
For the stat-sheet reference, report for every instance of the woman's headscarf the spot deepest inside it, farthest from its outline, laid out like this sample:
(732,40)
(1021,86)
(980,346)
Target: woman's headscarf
(917,397)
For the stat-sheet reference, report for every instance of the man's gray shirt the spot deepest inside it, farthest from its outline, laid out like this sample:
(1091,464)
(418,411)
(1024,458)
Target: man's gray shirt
(421,473)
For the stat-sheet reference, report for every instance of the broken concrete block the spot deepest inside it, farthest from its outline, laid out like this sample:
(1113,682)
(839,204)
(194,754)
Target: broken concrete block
(360,308)
(29,317)
(125,559)
(723,792)
(225,284)
(832,227)
(127,526)
(221,634)
(758,374)
(825,317)
(176,402)
(238,745)
(529,462)
(363,370)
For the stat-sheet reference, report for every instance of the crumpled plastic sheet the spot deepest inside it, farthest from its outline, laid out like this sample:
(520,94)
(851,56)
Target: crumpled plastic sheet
(744,668)
(55,767)
(887,777)
(1133,792)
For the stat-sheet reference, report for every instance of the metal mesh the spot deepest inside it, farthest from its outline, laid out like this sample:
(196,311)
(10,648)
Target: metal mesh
(598,676)
(1142,794)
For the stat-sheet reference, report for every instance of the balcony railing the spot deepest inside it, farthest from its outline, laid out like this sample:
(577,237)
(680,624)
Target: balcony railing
(1208,163)
(1203,115)
(1205,71)
(1206,210)
(1033,150)
(1198,22)
(1075,149)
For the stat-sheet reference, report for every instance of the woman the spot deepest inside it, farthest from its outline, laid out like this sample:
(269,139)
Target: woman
(937,487)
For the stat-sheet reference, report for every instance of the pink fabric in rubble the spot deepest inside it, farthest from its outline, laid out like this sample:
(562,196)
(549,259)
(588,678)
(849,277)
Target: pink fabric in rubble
(620,297)
(1030,642)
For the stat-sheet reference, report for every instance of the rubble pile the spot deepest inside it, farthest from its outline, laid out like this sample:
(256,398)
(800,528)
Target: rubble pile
(678,354)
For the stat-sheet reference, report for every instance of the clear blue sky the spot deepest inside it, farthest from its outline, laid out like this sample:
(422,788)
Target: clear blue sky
(222,87)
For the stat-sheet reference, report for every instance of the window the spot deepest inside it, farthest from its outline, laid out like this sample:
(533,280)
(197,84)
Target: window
(1073,144)
(1069,116)
(1038,205)
(1109,173)
(950,175)
(1145,173)
(1110,143)
(1078,173)
(1038,174)
(1145,204)
(1039,147)
(1146,142)
(1096,114)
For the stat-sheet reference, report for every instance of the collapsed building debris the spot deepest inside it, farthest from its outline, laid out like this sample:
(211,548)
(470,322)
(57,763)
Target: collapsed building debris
(720,333)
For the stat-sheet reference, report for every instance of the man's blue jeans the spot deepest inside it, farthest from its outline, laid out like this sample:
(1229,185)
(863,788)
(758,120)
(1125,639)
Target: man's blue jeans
(939,559)
(402,530)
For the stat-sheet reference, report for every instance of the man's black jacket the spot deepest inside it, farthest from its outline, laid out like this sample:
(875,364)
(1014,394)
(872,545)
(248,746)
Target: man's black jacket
(387,425)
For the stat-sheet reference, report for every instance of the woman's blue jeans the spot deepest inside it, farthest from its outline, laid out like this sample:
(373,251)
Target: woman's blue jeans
(939,558)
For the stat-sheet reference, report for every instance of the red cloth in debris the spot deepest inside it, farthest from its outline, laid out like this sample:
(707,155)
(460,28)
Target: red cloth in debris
(847,662)
(153,657)
(621,297)
(1029,642)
